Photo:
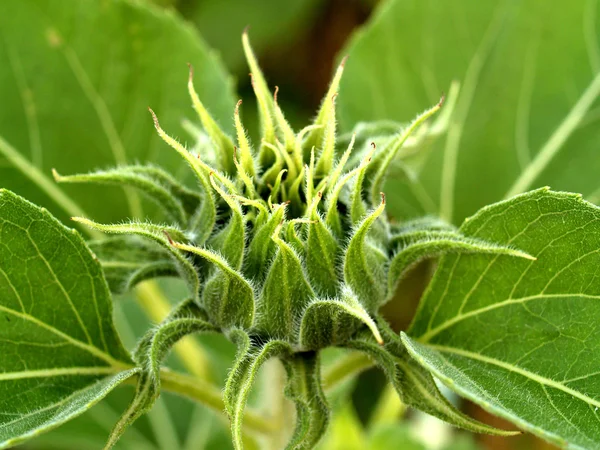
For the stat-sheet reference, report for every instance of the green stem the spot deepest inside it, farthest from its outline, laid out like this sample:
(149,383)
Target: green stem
(208,395)
(157,307)
(345,368)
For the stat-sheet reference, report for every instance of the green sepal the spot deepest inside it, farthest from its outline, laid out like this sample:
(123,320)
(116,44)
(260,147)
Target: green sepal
(364,132)
(264,100)
(316,136)
(230,241)
(129,260)
(415,385)
(241,378)
(330,322)
(357,205)
(383,159)
(123,176)
(437,243)
(401,240)
(187,318)
(189,199)
(305,390)
(161,235)
(246,161)
(327,155)
(262,248)
(289,138)
(227,296)
(203,221)
(273,169)
(285,293)
(332,215)
(321,255)
(363,265)
(296,203)
(222,143)
(426,223)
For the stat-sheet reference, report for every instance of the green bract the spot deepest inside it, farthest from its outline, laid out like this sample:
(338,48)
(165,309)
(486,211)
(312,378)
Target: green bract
(286,250)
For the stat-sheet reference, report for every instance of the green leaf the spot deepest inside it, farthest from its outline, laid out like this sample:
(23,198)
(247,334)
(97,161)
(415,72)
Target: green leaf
(285,293)
(104,63)
(331,322)
(222,24)
(413,383)
(185,319)
(304,388)
(525,116)
(61,352)
(242,376)
(128,260)
(498,329)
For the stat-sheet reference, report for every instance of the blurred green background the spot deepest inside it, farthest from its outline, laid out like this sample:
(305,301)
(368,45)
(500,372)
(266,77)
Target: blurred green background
(76,78)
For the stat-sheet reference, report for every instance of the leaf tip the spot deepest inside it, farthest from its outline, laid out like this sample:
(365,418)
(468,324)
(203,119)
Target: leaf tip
(57,177)
(168,236)
(442,100)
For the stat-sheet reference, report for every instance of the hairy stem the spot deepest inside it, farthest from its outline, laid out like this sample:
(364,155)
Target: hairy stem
(157,307)
(209,396)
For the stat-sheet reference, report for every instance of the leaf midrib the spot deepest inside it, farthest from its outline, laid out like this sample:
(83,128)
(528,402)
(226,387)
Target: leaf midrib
(56,372)
(426,337)
(87,347)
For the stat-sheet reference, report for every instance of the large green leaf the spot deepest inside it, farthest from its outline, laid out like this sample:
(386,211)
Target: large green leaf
(525,117)
(76,78)
(60,351)
(521,337)
(222,23)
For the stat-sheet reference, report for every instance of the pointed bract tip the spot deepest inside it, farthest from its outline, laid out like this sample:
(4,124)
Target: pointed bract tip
(275,94)
(373,145)
(343,62)
(168,236)
(237,106)
(245,32)
(333,97)
(190,72)
(442,100)
(154,118)
(382,198)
